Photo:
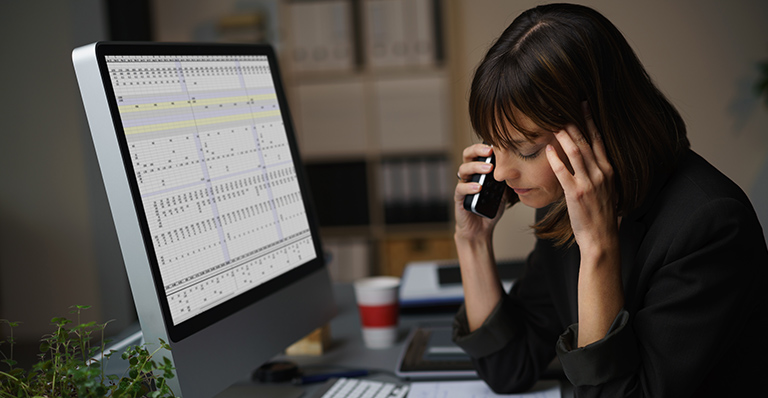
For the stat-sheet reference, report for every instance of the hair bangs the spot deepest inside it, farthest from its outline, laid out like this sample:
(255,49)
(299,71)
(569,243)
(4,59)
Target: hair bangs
(511,105)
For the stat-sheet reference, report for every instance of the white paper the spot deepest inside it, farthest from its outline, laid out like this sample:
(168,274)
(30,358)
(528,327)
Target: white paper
(476,389)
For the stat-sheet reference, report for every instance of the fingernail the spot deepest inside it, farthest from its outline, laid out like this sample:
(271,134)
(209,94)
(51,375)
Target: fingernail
(486,167)
(550,148)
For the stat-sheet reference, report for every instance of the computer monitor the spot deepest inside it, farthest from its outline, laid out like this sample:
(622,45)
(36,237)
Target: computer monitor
(210,202)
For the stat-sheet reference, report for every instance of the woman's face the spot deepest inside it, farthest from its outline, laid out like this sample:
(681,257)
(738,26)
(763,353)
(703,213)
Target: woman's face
(526,170)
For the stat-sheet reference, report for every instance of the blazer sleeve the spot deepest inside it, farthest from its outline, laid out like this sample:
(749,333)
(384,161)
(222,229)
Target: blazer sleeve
(699,303)
(517,340)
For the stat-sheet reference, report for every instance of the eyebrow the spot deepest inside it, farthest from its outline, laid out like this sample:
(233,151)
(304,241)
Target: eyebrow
(526,141)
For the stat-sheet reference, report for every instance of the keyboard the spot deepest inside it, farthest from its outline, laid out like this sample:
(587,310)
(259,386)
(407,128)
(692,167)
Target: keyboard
(360,388)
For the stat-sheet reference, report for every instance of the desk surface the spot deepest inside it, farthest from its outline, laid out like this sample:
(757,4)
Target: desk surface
(347,347)
(348,351)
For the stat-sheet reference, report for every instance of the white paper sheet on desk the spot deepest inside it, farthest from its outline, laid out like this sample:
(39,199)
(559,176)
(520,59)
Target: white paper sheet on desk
(474,389)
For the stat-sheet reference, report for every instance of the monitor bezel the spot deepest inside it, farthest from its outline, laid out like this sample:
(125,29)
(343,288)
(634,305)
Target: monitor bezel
(186,328)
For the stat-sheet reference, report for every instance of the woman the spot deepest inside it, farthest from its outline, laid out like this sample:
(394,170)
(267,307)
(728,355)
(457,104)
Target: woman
(647,274)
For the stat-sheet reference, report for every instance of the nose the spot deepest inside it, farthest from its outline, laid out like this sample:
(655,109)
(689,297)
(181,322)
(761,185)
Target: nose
(506,168)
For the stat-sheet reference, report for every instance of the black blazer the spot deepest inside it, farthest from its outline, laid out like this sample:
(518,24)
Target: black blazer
(695,277)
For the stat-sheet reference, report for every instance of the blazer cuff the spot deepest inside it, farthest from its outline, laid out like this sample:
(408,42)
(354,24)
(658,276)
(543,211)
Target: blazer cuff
(495,333)
(614,356)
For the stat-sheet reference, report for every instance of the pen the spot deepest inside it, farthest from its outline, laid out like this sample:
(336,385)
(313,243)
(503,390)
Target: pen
(325,376)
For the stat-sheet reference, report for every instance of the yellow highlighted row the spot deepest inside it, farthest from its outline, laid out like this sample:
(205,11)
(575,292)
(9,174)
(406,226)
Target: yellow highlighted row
(150,106)
(199,122)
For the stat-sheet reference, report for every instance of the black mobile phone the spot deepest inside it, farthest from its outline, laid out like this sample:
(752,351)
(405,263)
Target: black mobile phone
(486,202)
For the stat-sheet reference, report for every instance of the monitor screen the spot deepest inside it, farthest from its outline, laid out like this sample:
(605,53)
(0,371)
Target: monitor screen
(202,171)
(217,182)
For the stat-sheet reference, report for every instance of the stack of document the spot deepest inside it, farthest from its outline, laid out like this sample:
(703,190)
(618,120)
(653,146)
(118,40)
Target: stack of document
(437,284)
(478,389)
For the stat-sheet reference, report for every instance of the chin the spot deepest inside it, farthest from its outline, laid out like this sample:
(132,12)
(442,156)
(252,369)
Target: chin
(536,203)
(533,203)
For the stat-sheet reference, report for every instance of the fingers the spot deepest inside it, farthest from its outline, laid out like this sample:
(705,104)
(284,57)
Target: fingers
(559,168)
(577,147)
(585,166)
(476,150)
(464,189)
(598,147)
(586,154)
(471,166)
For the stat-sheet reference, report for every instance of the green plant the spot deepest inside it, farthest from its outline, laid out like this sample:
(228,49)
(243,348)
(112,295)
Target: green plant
(67,366)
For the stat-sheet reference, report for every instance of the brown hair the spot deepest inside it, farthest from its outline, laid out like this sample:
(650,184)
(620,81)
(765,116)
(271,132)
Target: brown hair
(549,61)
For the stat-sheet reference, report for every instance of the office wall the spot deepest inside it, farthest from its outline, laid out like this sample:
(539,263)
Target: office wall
(702,54)
(57,242)
(57,247)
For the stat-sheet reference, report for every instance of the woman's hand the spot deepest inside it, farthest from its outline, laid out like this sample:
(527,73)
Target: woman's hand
(589,194)
(474,244)
(470,226)
(589,188)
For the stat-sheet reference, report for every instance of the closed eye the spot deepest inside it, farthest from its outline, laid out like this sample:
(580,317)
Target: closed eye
(530,156)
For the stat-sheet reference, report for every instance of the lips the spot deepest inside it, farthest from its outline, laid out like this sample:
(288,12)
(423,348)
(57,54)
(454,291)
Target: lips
(522,191)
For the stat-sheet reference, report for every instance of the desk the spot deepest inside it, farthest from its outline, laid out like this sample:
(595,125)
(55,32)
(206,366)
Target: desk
(347,349)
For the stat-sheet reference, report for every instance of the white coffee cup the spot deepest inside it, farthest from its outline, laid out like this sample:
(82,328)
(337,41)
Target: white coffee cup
(378,305)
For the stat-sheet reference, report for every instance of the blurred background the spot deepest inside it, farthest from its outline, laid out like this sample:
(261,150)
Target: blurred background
(378,92)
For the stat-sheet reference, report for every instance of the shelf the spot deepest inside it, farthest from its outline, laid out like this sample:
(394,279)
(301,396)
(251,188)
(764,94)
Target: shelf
(374,125)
